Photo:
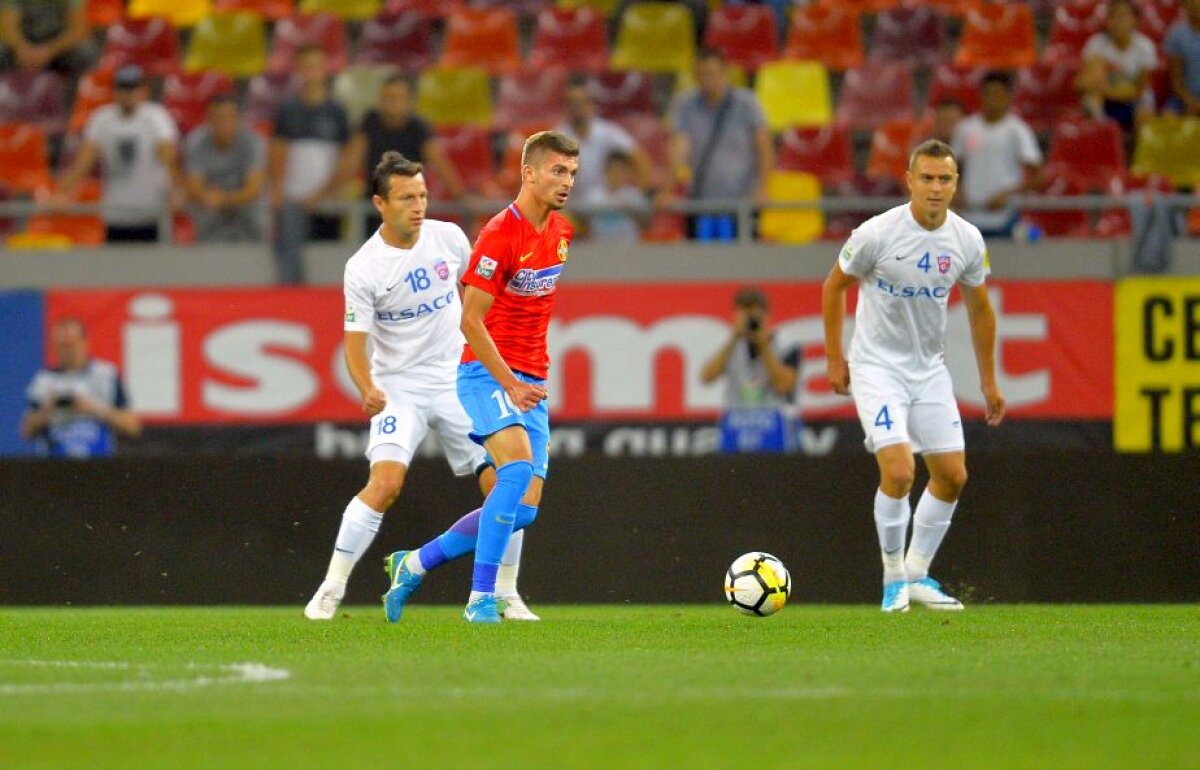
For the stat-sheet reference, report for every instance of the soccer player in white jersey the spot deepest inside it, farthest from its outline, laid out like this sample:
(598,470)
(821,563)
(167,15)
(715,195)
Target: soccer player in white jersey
(401,290)
(906,261)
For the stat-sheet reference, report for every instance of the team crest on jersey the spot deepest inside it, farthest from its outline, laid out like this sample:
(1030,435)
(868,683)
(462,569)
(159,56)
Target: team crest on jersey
(943,263)
(486,267)
(562,249)
(442,269)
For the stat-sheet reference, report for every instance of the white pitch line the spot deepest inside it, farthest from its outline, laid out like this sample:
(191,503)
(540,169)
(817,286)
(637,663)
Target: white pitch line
(226,673)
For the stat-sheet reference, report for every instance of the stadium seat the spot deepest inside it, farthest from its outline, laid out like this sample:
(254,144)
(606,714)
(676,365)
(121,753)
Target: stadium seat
(962,84)
(745,34)
(266,92)
(792,225)
(232,43)
(1066,223)
(916,35)
(828,34)
(999,36)
(181,13)
(455,97)
(530,100)
(826,153)
(617,94)
(469,150)
(24,159)
(94,90)
(357,89)
(1167,146)
(268,9)
(105,13)
(655,37)
(293,33)
(33,97)
(1074,22)
(875,93)
(794,93)
(186,96)
(152,44)
(402,39)
(891,144)
(1044,94)
(346,10)
(482,37)
(570,39)
(1090,152)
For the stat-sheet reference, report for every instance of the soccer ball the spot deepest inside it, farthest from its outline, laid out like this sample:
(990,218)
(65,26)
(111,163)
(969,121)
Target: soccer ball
(757,583)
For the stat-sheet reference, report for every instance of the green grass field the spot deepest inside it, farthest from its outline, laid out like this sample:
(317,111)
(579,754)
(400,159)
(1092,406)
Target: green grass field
(604,687)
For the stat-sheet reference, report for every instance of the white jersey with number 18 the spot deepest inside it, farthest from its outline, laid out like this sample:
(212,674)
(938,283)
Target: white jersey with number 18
(905,276)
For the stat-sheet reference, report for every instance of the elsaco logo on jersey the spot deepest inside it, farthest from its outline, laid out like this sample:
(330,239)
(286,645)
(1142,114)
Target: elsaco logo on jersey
(486,267)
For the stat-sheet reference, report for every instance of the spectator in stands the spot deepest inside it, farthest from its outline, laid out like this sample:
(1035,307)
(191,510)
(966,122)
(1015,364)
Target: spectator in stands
(393,125)
(310,144)
(225,163)
(76,406)
(46,34)
(999,157)
(624,208)
(1117,62)
(1182,47)
(947,114)
(135,140)
(721,147)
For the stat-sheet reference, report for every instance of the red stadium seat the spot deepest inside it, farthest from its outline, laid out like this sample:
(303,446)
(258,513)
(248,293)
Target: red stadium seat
(745,34)
(24,160)
(891,145)
(1044,94)
(962,84)
(824,152)
(33,97)
(530,100)
(295,32)
(826,34)
(916,35)
(617,94)
(1000,36)
(268,9)
(1090,152)
(469,150)
(482,37)
(186,96)
(570,39)
(152,44)
(403,39)
(1074,22)
(876,93)
(265,93)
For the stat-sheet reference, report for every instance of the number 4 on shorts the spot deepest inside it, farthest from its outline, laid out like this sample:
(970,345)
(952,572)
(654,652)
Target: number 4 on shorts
(883,419)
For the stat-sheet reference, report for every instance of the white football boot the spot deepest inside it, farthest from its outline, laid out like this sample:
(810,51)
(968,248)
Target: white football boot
(516,609)
(928,592)
(325,602)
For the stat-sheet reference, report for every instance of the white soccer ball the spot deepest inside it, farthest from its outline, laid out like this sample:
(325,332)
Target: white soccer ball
(757,583)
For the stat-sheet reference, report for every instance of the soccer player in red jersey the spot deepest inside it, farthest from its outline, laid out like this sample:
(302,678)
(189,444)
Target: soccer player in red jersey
(509,289)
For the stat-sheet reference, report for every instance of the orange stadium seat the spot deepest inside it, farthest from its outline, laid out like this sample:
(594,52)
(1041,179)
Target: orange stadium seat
(150,43)
(24,160)
(875,93)
(825,152)
(1167,146)
(916,35)
(962,84)
(1090,152)
(186,96)
(469,150)
(828,34)
(293,33)
(570,39)
(181,13)
(1044,94)
(232,43)
(530,100)
(482,37)
(745,34)
(794,93)
(455,97)
(95,89)
(1074,22)
(891,144)
(33,97)
(1000,36)
(655,37)
(792,225)
(268,9)
(346,10)
(617,94)
(104,13)
(403,39)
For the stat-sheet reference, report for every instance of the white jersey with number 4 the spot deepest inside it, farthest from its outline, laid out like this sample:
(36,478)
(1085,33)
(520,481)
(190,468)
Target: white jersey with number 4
(407,300)
(905,276)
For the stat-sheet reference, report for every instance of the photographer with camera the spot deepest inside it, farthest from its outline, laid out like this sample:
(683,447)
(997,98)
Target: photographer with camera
(76,406)
(760,381)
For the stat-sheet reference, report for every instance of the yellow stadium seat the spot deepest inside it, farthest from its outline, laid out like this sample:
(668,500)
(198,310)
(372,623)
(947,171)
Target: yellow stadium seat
(346,10)
(1169,146)
(232,43)
(792,225)
(794,93)
(181,13)
(357,88)
(455,97)
(655,37)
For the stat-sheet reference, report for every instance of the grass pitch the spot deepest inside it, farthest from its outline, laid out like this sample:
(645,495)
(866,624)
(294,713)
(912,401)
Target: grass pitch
(602,687)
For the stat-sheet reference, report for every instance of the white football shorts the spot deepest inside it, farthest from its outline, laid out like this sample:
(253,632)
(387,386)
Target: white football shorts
(894,409)
(410,414)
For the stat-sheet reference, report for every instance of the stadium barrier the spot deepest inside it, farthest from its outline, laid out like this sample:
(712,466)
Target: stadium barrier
(1033,527)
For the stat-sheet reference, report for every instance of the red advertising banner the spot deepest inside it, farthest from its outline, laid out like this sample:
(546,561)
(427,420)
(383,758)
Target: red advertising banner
(620,351)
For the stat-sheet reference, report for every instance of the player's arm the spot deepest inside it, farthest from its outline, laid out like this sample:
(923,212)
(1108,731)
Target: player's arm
(982,319)
(476,304)
(359,367)
(833,317)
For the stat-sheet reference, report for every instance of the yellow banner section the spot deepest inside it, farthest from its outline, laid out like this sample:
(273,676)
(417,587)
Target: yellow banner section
(1157,365)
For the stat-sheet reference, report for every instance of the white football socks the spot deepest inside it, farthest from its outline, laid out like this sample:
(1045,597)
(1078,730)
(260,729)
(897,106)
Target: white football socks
(510,565)
(359,525)
(891,523)
(930,523)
